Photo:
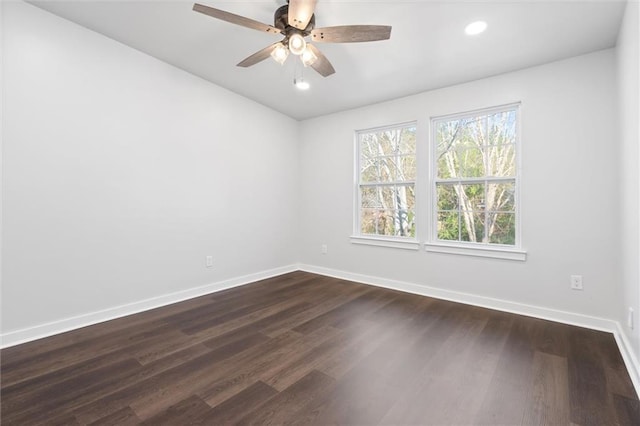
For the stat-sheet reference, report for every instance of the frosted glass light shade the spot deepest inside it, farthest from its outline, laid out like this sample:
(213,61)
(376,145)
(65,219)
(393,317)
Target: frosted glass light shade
(308,57)
(297,44)
(280,53)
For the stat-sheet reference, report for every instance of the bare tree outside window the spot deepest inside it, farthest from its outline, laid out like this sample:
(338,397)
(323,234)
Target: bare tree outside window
(475,177)
(387,170)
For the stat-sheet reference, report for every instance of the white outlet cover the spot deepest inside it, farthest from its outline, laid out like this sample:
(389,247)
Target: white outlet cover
(576,282)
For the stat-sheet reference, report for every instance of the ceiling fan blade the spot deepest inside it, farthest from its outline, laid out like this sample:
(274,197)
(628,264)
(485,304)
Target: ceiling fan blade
(300,13)
(259,56)
(322,64)
(351,33)
(235,19)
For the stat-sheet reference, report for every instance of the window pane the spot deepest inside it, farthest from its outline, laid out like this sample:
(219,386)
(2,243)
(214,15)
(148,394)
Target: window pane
(448,226)
(400,223)
(462,133)
(472,132)
(477,148)
(502,128)
(448,165)
(394,169)
(472,226)
(471,163)
(399,197)
(369,170)
(501,196)
(388,142)
(447,198)
(501,160)
(408,140)
(388,155)
(388,210)
(478,224)
(471,196)
(467,230)
(369,198)
(501,141)
(370,221)
(406,168)
(504,228)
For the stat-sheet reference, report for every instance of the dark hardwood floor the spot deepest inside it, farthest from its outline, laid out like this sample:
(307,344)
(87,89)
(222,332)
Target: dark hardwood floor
(306,349)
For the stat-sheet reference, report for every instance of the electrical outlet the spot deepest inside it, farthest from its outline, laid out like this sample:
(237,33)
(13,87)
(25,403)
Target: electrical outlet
(324,249)
(209,261)
(576,282)
(630,318)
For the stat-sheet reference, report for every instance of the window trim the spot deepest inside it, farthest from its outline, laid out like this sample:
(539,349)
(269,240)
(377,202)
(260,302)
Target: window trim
(501,251)
(357,236)
(407,243)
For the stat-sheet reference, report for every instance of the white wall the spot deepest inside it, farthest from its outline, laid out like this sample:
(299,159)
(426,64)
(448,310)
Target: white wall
(628,61)
(121,173)
(568,196)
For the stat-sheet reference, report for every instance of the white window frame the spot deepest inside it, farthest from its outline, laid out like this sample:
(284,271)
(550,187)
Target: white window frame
(500,251)
(409,243)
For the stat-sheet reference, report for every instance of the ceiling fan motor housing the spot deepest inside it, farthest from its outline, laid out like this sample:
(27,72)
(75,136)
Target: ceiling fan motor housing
(281,22)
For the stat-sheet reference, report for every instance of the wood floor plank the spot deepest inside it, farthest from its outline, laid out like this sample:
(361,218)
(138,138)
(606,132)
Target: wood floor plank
(189,411)
(549,402)
(590,403)
(465,359)
(258,325)
(153,378)
(289,371)
(627,410)
(353,310)
(284,406)
(233,409)
(63,396)
(336,405)
(249,370)
(308,349)
(45,362)
(509,392)
(321,306)
(175,384)
(123,417)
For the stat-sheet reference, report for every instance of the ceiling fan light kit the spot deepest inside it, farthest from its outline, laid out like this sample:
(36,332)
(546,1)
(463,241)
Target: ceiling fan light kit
(296,20)
(280,53)
(308,58)
(297,44)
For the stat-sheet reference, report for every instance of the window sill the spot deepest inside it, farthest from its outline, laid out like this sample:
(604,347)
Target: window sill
(479,251)
(406,244)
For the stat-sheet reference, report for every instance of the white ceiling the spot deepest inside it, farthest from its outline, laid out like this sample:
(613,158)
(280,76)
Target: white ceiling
(428,48)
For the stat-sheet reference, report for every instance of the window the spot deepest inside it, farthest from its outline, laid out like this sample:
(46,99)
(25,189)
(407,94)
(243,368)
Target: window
(386,182)
(475,178)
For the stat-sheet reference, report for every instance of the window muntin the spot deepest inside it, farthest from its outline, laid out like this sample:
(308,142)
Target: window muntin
(387,181)
(474,175)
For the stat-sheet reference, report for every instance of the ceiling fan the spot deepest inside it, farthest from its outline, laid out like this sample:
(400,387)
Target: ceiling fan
(296,21)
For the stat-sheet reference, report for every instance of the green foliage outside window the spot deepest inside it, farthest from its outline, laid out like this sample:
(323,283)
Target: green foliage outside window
(475,180)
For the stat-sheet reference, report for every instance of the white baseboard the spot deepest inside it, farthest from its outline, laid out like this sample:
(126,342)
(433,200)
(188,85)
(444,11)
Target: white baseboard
(629,356)
(580,320)
(56,327)
(586,321)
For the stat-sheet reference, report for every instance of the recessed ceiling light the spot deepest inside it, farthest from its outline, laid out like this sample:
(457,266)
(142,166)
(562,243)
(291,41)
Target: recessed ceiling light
(475,28)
